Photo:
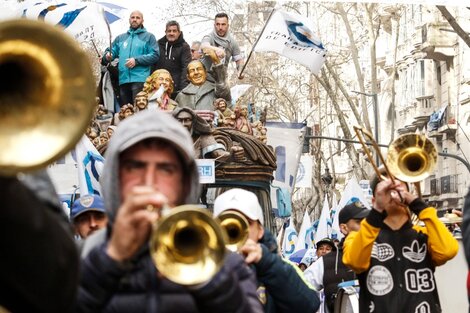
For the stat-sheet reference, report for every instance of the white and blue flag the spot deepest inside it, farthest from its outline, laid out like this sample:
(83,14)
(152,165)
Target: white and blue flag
(290,239)
(90,166)
(291,35)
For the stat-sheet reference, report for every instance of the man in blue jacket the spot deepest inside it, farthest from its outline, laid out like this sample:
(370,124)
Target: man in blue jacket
(281,288)
(137,51)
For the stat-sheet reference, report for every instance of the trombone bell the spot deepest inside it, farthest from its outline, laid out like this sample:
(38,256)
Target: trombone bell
(47,94)
(187,245)
(236,228)
(411,158)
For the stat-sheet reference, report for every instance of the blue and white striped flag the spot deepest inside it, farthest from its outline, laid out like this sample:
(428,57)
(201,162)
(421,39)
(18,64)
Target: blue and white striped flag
(90,166)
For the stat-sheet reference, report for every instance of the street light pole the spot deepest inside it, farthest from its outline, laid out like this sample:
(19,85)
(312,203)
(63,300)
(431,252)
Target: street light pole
(376,119)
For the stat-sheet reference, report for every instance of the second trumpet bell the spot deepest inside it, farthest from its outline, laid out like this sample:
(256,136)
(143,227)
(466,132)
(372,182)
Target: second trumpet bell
(236,228)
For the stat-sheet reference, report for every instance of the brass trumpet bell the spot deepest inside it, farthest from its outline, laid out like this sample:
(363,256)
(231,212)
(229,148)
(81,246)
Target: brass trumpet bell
(236,229)
(187,245)
(411,158)
(47,94)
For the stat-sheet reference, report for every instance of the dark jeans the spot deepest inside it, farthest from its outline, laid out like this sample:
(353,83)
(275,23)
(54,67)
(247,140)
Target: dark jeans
(129,91)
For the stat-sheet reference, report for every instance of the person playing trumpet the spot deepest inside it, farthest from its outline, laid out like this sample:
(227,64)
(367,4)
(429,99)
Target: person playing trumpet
(150,165)
(394,259)
(280,287)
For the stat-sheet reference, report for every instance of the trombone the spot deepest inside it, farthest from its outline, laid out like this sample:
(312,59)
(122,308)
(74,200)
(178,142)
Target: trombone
(187,245)
(411,157)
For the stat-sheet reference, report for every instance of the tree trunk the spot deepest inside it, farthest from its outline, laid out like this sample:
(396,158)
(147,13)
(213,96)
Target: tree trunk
(453,23)
(357,66)
(340,85)
(358,170)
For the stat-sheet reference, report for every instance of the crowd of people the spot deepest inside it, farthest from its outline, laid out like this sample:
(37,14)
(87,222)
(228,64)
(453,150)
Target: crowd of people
(168,73)
(171,96)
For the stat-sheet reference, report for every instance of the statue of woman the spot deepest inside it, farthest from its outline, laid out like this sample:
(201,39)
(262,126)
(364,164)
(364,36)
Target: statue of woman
(159,87)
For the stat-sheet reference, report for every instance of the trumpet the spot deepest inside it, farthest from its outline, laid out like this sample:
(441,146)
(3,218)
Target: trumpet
(236,229)
(47,95)
(188,245)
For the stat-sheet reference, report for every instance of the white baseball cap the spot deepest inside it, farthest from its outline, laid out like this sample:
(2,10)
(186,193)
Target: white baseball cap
(240,200)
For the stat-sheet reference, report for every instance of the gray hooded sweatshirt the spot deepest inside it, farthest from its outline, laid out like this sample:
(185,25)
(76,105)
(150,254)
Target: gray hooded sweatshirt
(146,124)
(136,286)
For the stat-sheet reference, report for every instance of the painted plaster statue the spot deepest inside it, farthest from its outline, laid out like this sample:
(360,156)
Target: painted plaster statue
(226,117)
(201,93)
(159,87)
(126,111)
(141,101)
(205,145)
(241,119)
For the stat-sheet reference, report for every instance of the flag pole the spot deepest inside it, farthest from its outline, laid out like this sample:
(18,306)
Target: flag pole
(240,75)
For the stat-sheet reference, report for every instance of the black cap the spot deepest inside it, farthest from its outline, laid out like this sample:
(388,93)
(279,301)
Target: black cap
(327,241)
(355,210)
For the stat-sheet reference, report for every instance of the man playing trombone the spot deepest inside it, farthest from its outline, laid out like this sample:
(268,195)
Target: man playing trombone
(394,259)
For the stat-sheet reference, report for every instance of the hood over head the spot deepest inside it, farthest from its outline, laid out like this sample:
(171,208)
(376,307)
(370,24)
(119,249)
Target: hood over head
(200,125)
(143,125)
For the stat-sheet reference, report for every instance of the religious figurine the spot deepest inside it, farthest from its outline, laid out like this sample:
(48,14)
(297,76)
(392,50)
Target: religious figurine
(103,117)
(110,130)
(241,119)
(159,87)
(92,132)
(226,117)
(205,145)
(126,110)
(259,131)
(141,101)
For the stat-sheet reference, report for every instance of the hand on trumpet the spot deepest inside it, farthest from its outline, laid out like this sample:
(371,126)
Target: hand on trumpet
(141,208)
(252,251)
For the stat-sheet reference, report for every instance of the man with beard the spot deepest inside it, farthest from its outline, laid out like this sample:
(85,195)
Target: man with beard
(137,51)
(150,163)
(205,145)
(223,43)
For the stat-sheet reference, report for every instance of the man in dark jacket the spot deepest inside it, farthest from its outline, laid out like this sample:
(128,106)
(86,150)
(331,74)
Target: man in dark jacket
(280,287)
(175,55)
(39,262)
(329,270)
(150,165)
